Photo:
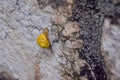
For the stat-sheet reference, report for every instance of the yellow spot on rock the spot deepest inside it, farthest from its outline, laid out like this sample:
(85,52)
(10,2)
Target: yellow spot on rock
(42,39)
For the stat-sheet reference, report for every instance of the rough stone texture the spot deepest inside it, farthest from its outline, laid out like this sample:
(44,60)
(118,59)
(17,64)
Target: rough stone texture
(90,21)
(111,49)
(21,21)
(90,15)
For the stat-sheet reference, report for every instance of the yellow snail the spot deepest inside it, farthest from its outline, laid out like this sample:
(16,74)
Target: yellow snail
(42,39)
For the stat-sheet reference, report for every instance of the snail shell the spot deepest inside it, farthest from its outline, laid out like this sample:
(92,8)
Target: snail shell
(42,39)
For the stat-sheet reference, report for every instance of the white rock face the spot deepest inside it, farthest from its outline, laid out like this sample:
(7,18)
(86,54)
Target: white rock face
(21,21)
(111,48)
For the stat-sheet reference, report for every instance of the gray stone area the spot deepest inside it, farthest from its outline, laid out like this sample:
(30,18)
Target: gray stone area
(21,21)
(111,49)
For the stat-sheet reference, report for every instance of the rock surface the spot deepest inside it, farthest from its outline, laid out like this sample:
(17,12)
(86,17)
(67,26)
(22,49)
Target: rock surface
(111,49)
(21,21)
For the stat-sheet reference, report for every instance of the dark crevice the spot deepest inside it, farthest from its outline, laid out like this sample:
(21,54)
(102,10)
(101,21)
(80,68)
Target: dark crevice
(90,19)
